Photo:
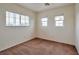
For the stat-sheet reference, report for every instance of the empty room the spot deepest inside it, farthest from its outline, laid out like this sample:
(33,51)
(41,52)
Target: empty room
(39,28)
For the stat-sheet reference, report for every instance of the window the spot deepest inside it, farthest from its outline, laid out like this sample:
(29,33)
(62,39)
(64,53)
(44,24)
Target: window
(14,19)
(24,20)
(44,21)
(59,21)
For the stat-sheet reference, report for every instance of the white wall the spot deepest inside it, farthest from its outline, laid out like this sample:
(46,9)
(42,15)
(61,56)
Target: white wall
(77,26)
(10,36)
(60,34)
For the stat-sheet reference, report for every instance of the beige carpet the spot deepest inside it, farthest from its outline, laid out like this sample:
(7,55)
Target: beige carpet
(40,47)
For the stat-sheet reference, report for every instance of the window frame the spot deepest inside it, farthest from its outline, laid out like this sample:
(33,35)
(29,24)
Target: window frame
(44,22)
(8,19)
(59,20)
(25,24)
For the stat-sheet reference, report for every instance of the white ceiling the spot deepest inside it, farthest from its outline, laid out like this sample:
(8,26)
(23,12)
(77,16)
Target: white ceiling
(41,6)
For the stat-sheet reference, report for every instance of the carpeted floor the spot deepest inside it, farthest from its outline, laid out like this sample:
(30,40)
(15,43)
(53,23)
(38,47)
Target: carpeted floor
(41,47)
